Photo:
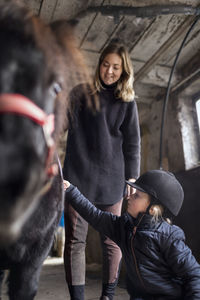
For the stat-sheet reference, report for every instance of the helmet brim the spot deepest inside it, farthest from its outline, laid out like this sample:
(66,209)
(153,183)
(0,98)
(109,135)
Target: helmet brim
(136,186)
(143,188)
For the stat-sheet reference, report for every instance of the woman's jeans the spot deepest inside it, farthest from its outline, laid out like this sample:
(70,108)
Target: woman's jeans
(76,229)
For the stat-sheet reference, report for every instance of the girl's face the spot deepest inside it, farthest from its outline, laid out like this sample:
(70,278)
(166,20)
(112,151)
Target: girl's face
(137,203)
(111,68)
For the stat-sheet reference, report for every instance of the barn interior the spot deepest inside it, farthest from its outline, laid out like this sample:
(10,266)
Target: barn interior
(163,39)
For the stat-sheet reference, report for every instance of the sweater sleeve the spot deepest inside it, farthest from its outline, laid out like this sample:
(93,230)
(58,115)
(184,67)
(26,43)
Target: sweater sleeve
(131,141)
(104,222)
(180,259)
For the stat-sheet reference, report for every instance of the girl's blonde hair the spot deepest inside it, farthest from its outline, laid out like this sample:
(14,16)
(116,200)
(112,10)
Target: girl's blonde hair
(157,210)
(124,89)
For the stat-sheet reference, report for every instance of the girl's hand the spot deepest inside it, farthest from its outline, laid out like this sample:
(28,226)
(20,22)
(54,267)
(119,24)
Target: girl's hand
(66,184)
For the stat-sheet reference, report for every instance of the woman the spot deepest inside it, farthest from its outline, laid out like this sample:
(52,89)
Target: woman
(103,149)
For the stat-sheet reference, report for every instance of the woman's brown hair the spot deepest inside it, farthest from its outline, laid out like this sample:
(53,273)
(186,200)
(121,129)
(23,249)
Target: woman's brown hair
(124,89)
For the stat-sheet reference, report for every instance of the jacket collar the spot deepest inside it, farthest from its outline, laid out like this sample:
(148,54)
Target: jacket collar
(146,222)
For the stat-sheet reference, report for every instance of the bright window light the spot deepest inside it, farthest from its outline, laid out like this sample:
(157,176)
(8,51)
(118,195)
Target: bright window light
(198,111)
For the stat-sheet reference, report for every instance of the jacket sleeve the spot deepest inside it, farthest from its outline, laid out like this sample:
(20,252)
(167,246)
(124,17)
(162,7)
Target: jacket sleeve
(104,222)
(179,257)
(131,141)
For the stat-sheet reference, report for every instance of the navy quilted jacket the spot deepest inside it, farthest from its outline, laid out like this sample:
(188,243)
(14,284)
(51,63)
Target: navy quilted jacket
(158,263)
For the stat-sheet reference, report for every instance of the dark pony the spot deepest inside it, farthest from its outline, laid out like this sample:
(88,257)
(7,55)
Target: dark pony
(38,64)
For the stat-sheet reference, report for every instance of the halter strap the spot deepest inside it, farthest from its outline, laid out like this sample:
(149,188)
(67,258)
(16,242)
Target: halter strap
(23,106)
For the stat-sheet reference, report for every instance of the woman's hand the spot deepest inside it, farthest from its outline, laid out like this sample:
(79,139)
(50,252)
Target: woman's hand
(66,184)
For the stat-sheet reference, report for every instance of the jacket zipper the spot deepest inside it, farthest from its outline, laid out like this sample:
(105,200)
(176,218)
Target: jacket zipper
(134,257)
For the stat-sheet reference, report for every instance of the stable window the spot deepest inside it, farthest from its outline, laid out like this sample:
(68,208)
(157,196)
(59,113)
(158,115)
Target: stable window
(198,112)
(189,118)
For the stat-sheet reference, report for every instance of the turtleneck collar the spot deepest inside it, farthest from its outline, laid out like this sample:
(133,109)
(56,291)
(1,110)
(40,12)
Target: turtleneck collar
(108,86)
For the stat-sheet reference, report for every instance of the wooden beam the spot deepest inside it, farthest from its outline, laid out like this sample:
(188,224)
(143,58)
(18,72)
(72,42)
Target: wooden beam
(190,66)
(34,6)
(188,73)
(89,27)
(186,81)
(47,9)
(147,93)
(121,20)
(158,76)
(164,48)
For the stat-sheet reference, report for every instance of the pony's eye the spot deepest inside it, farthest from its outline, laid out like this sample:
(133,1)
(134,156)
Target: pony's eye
(57,88)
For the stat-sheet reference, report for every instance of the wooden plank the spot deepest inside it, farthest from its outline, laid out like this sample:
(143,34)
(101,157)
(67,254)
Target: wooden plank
(84,24)
(104,27)
(141,34)
(113,35)
(192,45)
(47,9)
(188,73)
(100,31)
(156,36)
(130,30)
(160,2)
(166,47)
(34,5)
(66,9)
(190,66)
(186,81)
(189,76)
(159,76)
(146,92)
(127,28)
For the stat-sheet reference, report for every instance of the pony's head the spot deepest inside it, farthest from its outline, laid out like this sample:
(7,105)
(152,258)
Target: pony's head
(37,64)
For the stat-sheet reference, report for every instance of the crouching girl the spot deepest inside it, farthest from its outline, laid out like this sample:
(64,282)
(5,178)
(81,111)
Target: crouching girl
(159,265)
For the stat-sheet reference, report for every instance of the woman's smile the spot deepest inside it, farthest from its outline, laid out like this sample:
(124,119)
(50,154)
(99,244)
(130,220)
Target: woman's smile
(111,68)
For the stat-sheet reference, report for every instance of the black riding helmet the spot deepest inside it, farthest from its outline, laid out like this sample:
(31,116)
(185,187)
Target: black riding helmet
(163,186)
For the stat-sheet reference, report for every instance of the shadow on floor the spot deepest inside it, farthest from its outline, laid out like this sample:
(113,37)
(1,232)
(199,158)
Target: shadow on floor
(52,284)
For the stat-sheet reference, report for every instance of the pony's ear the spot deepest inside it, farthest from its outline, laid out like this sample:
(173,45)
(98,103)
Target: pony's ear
(65,35)
(64,32)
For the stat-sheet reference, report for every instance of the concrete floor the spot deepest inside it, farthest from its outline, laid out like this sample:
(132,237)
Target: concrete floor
(53,287)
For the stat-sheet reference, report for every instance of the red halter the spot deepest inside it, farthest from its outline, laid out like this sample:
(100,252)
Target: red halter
(20,105)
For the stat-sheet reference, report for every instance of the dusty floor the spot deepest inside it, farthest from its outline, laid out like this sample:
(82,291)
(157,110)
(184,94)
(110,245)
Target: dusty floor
(53,287)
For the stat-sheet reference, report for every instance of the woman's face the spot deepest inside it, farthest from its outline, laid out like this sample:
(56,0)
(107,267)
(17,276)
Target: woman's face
(138,202)
(111,68)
